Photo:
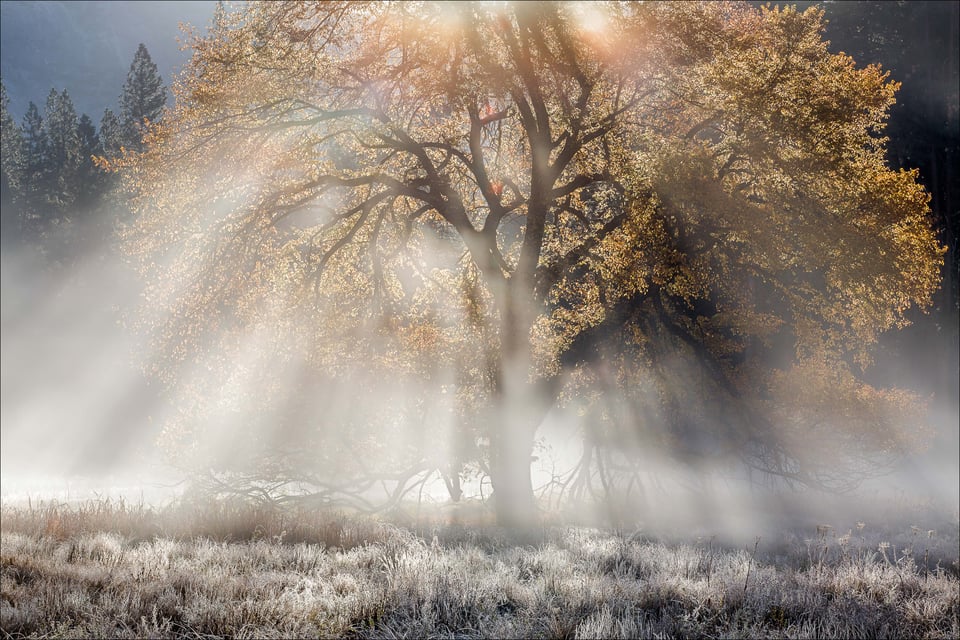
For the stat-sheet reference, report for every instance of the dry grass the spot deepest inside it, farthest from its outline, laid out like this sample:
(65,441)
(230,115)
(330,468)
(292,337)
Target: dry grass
(110,569)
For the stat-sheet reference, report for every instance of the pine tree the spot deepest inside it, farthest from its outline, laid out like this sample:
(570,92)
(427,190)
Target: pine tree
(143,98)
(62,158)
(111,135)
(90,179)
(110,146)
(11,166)
(30,196)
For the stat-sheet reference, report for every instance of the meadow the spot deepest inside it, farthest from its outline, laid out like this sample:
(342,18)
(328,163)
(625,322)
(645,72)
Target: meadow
(112,569)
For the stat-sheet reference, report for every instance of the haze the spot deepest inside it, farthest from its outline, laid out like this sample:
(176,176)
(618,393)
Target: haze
(78,410)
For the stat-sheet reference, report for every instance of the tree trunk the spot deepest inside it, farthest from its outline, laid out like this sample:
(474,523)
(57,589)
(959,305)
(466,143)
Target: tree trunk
(518,412)
(511,450)
(520,405)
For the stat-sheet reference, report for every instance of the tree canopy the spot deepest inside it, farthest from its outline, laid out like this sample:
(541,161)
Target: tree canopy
(515,206)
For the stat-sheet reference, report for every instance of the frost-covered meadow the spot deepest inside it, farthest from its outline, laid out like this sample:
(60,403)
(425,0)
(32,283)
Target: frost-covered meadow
(111,569)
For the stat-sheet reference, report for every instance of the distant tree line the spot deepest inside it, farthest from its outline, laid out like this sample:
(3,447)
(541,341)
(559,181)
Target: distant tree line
(51,183)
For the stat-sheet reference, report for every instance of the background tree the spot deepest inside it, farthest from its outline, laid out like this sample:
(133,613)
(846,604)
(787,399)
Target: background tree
(530,204)
(111,140)
(11,165)
(110,135)
(90,178)
(143,98)
(62,159)
(31,198)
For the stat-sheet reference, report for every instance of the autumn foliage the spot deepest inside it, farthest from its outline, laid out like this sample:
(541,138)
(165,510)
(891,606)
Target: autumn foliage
(518,207)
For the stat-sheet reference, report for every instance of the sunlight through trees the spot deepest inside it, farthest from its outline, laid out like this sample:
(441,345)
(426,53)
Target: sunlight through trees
(389,238)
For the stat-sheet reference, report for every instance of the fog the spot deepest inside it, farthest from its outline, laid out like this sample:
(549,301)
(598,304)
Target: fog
(75,403)
(81,419)
(85,414)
